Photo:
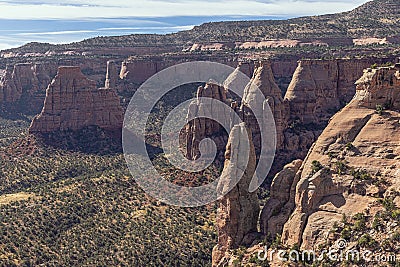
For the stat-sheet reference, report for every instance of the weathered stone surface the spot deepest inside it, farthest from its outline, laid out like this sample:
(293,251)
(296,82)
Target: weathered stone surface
(380,87)
(374,140)
(111,75)
(236,79)
(313,90)
(238,211)
(23,79)
(73,102)
(8,90)
(277,210)
(317,90)
(320,87)
(23,85)
(199,128)
(263,79)
(309,193)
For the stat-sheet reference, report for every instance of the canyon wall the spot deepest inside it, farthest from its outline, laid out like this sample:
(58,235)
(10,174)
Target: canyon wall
(380,87)
(320,87)
(199,128)
(23,85)
(351,168)
(358,140)
(137,70)
(24,80)
(263,80)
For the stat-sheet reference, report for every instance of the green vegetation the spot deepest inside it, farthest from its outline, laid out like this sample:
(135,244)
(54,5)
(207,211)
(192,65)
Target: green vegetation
(361,175)
(341,167)
(367,241)
(379,109)
(350,146)
(74,208)
(316,166)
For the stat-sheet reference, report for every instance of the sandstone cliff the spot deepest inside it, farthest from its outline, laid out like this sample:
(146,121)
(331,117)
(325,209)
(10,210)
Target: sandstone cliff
(263,79)
(111,75)
(199,128)
(238,211)
(74,102)
(319,88)
(279,206)
(23,85)
(23,80)
(380,87)
(348,185)
(341,173)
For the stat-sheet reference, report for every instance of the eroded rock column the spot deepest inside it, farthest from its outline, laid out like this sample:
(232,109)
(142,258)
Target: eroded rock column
(238,211)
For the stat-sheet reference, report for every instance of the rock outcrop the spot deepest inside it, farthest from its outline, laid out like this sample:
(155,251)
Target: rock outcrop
(320,87)
(380,87)
(238,211)
(74,102)
(23,80)
(358,139)
(279,206)
(263,79)
(23,85)
(199,128)
(111,75)
(313,90)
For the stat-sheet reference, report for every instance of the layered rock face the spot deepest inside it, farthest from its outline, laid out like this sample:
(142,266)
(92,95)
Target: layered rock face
(139,71)
(23,79)
(313,90)
(380,87)
(23,85)
(279,206)
(199,128)
(317,90)
(238,211)
(263,79)
(136,70)
(357,140)
(74,102)
(320,87)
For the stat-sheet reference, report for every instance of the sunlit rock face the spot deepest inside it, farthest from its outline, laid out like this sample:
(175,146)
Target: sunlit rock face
(74,102)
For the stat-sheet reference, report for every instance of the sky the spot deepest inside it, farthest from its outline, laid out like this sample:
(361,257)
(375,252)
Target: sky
(23,21)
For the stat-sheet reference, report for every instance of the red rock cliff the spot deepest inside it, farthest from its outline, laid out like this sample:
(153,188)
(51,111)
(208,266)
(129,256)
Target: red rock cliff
(73,102)
(23,80)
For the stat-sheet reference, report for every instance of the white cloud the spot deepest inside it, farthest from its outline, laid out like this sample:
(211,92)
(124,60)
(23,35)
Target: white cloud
(80,9)
(52,33)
